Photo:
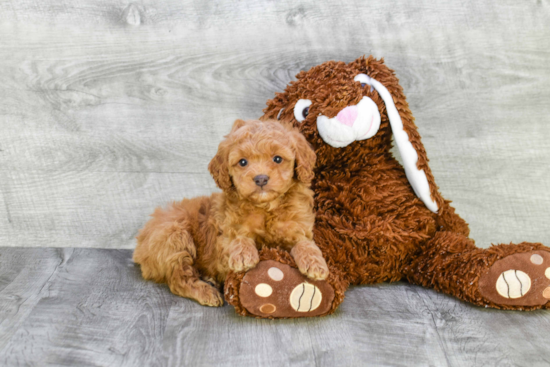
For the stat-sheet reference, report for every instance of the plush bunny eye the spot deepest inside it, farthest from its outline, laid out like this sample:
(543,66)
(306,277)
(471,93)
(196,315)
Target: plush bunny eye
(243,162)
(301,109)
(364,79)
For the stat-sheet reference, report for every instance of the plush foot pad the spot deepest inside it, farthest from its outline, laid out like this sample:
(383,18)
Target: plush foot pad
(276,289)
(518,280)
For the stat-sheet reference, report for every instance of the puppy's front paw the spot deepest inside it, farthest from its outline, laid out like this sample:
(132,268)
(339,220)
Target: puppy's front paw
(314,268)
(244,257)
(310,261)
(244,260)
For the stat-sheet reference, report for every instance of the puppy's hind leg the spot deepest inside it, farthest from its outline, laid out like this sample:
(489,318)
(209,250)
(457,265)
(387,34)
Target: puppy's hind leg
(185,281)
(166,253)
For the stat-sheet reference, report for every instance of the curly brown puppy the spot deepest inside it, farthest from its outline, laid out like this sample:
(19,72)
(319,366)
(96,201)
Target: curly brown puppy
(264,169)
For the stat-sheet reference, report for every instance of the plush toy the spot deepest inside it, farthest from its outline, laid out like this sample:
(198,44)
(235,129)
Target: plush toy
(378,220)
(276,289)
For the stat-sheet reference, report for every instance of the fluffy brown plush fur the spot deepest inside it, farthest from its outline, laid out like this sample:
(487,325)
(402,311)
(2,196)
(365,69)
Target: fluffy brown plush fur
(370,224)
(264,170)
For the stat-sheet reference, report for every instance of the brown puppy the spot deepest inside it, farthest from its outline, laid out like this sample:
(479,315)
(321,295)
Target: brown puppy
(265,170)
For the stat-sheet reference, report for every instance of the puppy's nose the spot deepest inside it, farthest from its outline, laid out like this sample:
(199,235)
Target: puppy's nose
(261,180)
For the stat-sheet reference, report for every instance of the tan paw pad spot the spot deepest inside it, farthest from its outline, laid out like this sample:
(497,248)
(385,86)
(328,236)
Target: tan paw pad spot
(268,308)
(546,293)
(276,274)
(305,297)
(263,290)
(547,273)
(513,284)
(536,259)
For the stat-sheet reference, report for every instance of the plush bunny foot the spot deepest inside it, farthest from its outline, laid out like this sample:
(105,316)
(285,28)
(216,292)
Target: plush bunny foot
(278,290)
(275,288)
(521,279)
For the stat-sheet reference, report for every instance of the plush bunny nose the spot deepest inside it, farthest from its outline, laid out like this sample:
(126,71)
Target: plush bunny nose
(348,115)
(261,180)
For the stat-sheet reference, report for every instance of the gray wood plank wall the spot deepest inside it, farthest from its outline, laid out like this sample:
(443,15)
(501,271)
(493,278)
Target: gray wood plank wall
(110,108)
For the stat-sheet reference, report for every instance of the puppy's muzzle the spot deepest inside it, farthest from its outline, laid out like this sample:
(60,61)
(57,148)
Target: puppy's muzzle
(261,180)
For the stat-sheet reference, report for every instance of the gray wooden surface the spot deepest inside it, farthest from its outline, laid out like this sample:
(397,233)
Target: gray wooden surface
(110,108)
(80,307)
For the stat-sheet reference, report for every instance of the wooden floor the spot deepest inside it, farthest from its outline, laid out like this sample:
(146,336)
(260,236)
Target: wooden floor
(80,307)
(111,108)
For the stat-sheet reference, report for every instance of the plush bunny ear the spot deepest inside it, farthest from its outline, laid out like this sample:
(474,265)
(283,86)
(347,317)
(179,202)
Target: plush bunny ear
(414,169)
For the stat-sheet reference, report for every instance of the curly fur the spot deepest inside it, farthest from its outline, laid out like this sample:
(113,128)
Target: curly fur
(193,244)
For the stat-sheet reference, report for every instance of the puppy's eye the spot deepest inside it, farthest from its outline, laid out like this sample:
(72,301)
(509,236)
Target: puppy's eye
(277,159)
(243,162)
(301,109)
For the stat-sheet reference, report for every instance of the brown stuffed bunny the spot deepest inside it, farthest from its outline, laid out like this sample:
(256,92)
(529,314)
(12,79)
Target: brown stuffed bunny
(377,220)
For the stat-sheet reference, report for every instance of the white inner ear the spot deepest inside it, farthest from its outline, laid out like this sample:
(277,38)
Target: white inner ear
(416,177)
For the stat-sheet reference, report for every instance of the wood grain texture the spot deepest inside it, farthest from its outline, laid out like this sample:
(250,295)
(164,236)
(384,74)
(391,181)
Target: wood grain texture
(90,309)
(108,109)
(81,307)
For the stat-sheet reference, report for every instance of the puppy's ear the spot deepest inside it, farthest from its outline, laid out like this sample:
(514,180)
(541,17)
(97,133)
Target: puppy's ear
(219,167)
(305,158)
(237,125)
